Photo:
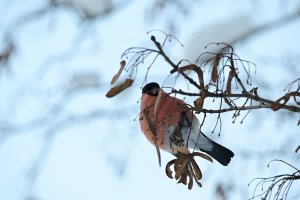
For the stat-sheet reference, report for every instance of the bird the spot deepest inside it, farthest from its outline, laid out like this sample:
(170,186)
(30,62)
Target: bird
(175,125)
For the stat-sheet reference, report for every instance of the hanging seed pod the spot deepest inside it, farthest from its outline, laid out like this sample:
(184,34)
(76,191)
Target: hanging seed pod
(196,169)
(153,130)
(118,89)
(116,77)
(215,65)
(198,103)
(168,170)
(190,185)
(229,80)
(276,105)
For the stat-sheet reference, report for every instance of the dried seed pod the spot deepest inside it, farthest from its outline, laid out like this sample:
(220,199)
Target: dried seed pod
(206,157)
(198,103)
(276,105)
(116,77)
(190,185)
(182,169)
(168,170)
(186,168)
(183,179)
(118,89)
(157,104)
(229,80)
(153,130)
(196,169)
(150,125)
(215,65)
(198,183)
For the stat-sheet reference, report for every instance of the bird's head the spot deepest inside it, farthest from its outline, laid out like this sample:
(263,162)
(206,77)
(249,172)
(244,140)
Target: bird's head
(151,89)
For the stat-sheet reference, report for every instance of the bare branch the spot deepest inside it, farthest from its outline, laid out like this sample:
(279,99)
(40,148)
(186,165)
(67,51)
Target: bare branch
(278,186)
(297,149)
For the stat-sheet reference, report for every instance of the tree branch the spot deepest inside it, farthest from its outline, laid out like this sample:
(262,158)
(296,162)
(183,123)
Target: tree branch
(204,93)
(279,185)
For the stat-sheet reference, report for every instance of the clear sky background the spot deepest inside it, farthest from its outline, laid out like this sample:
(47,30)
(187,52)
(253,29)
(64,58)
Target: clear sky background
(61,138)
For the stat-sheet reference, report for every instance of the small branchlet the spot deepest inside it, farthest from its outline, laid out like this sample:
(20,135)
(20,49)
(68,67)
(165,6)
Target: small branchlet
(230,80)
(277,186)
(226,71)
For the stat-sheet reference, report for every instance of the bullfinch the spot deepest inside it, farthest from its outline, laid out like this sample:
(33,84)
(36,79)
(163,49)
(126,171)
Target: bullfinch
(175,125)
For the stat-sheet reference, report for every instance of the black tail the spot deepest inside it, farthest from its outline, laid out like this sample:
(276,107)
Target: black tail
(220,153)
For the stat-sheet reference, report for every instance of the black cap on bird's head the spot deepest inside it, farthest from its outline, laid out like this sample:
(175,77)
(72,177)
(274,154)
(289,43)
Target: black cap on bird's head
(151,89)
